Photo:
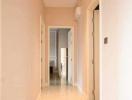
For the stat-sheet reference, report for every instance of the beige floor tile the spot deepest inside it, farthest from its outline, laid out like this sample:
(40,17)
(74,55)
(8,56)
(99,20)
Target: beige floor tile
(61,93)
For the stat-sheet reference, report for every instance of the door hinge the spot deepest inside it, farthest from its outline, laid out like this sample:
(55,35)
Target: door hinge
(93,19)
(93,61)
(93,92)
(93,26)
(41,84)
(93,33)
(41,59)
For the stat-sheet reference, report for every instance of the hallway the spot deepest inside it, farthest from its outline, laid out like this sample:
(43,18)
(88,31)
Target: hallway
(100,50)
(61,93)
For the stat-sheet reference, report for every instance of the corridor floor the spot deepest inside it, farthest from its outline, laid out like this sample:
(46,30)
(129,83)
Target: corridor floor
(61,93)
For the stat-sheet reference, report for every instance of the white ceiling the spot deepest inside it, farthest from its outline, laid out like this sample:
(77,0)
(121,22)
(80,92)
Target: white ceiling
(60,3)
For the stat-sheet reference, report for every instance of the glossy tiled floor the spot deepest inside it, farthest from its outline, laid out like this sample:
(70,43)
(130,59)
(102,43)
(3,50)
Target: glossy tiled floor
(61,93)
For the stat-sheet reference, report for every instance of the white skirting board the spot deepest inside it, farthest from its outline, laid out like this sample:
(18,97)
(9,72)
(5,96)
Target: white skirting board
(82,92)
(39,96)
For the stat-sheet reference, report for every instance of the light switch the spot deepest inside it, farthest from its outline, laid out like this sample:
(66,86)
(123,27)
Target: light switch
(106,40)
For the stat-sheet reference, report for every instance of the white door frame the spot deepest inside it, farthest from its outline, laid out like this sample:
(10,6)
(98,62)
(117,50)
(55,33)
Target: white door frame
(91,7)
(42,44)
(96,53)
(72,29)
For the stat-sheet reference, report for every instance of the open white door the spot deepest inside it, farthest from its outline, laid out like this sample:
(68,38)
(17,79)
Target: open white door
(63,65)
(70,63)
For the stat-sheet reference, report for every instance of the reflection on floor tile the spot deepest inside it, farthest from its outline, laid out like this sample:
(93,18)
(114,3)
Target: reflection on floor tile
(61,93)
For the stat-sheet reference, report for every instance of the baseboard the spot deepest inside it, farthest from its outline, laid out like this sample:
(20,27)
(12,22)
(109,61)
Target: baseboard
(79,89)
(39,96)
(82,92)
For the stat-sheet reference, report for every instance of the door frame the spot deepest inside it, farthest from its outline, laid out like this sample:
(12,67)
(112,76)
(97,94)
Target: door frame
(42,57)
(73,54)
(96,54)
(90,9)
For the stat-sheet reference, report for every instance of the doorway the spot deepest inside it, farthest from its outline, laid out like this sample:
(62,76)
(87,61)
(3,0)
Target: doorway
(60,68)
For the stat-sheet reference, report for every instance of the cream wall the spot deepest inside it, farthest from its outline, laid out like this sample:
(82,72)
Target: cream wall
(82,67)
(110,51)
(61,16)
(117,54)
(0,51)
(21,49)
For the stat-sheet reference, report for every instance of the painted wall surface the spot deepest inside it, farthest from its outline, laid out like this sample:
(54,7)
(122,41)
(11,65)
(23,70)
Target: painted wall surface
(79,61)
(117,54)
(21,49)
(0,50)
(59,17)
(83,51)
